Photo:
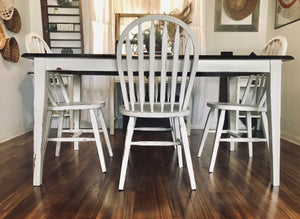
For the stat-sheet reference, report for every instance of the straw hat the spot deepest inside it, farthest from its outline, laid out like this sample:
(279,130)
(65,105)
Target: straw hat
(11,51)
(14,24)
(239,9)
(7,9)
(2,38)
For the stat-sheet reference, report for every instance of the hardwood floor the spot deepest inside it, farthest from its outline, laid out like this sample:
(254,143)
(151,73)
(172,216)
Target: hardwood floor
(74,187)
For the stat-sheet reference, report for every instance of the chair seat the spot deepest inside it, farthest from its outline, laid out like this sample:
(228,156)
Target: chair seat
(77,106)
(156,111)
(236,107)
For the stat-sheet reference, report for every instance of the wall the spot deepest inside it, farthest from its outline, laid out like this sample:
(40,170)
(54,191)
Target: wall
(16,109)
(240,43)
(290,93)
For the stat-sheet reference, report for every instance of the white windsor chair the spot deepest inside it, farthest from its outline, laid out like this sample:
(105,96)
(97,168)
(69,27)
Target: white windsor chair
(159,105)
(252,105)
(59,101)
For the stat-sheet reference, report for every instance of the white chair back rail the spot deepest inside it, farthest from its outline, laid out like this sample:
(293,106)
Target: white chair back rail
(161,90)
(275,46)
(35,44)
(57,92)
(255,92)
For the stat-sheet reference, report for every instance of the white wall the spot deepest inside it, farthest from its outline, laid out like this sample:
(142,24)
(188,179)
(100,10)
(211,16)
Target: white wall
(290,93)
(16,90)
(240,43)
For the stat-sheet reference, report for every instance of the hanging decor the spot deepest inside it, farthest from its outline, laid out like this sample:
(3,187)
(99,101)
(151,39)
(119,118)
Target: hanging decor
(287,11)
(11,52)
(236,15)
(14,24)
(2,38)
(7,9)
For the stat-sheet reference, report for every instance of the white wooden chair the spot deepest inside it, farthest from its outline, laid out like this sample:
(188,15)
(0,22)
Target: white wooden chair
(136,106)
(112,118)
(252,105)
(60,102)
(36,44)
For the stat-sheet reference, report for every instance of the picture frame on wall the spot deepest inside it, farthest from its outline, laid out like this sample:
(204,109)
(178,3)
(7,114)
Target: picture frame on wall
(287,12)
(232,17)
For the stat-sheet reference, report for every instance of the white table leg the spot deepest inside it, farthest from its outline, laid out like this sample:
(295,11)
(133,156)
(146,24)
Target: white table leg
(40,102)
(274,110)
(76,98)
(233,97)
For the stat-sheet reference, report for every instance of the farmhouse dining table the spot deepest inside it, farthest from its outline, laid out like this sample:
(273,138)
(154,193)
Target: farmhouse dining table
(208,65)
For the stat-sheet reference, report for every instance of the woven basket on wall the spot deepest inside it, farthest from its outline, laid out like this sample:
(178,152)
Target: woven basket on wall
(2,38)
(7,9)
(14,24)
(11,51)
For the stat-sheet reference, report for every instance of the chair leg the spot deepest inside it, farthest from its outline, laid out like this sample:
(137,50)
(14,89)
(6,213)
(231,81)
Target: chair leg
(112,107)
(47,128)
(178,136)
(265,126)
(105,133)
(205,131)
(76,117)
(171,120)
(59,132)
(217,141)
(97,139)
(129,134)
(187,152)
(249,133)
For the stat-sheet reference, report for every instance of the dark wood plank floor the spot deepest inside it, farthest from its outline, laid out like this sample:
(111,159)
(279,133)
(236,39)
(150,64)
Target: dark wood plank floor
(74,187)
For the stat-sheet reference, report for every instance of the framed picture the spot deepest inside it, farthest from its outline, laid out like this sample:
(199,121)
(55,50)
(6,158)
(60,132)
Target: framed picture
(287,11)
(232,17)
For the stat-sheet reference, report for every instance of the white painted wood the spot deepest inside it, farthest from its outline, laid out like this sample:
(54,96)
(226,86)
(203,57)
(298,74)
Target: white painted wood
(127,146)
(274,87)
(96,63)
(158,107)
(97,139)
(62,104)
(216,141)
(206,130)
(186,148)
(253,103)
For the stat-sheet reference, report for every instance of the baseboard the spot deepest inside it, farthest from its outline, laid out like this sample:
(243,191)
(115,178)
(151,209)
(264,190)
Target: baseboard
(14,134)
(290,138)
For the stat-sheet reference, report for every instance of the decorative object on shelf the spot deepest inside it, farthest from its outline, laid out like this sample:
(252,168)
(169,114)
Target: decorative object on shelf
(7,9)
(239,9)
(65,27)
(11,52)
(64,3)
(287,11)
(66,51)
(236,15)
(184,15)
(14,24)
(2,38)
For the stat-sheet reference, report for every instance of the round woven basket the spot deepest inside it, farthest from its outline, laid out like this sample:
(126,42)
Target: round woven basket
(7,9)
(239,9)
(11,51)
(14,24)
(2,38)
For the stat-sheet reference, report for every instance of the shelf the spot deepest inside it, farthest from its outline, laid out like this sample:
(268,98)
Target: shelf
(61,6)
(64,15)
(62,25)
(65,39)
(60,47)
(73,31)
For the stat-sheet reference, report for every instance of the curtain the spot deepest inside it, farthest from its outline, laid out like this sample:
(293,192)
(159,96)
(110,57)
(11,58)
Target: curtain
(99,25)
